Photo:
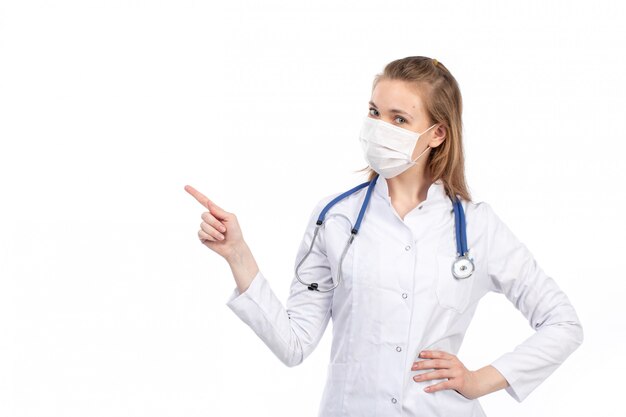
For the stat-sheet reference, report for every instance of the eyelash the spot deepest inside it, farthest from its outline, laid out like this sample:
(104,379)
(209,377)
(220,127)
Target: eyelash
(371,108)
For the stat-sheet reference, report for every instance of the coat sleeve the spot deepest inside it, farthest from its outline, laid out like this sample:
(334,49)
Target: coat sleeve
(513,271)
(291,333)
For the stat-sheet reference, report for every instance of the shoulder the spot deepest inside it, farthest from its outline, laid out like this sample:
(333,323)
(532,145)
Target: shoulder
(478,209)
(490,222)
(343,204)
(481,214)
(338,206)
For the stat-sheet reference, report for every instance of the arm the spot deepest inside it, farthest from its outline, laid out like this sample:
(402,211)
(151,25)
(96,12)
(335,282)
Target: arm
(513,271)
(292,333)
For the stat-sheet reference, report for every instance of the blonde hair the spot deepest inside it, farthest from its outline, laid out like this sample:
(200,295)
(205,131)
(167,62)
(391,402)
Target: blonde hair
(441,96)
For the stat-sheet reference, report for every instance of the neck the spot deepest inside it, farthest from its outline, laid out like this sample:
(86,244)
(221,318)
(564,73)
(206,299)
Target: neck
(411,186)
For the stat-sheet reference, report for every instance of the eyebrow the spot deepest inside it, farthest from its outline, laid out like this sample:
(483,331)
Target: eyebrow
(393,110)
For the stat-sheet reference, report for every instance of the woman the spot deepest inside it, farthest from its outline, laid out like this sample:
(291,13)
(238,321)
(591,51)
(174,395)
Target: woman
(399,313)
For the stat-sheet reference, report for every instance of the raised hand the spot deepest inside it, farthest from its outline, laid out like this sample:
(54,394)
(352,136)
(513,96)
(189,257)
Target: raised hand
(219,230)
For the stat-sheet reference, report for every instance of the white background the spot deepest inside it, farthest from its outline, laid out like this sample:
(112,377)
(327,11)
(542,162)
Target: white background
(110,306)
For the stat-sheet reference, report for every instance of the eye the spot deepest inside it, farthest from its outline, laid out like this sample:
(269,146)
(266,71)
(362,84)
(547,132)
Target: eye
(376,114)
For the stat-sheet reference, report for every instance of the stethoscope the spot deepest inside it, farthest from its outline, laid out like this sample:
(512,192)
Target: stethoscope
(462,267)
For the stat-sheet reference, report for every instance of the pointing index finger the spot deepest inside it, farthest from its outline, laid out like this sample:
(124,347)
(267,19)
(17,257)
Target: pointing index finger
(202,199)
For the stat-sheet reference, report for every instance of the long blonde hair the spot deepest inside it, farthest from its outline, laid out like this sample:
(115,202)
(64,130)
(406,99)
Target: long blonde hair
(443,104)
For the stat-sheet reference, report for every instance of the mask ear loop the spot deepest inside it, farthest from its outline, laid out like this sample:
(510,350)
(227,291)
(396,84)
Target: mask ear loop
(418,157)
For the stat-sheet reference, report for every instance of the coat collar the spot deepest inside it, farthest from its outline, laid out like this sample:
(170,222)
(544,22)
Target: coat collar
(436,192)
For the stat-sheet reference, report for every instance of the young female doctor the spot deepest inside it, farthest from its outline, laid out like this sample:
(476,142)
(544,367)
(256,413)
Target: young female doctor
(400,264)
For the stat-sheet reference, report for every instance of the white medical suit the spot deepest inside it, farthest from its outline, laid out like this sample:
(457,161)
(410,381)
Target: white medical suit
(398,297)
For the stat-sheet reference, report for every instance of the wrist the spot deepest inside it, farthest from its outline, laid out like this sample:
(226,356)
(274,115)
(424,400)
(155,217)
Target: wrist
(238,253)
(243,265)
(487,380)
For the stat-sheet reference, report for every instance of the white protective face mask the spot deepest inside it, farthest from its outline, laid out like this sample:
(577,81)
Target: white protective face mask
(387,148)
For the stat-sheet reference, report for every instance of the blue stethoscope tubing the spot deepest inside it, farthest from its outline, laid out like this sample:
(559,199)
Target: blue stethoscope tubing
(462,267)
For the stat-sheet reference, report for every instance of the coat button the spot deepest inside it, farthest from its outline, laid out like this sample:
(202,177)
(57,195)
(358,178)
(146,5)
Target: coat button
(404,295)
(407,247)
(393,400)
(398,348)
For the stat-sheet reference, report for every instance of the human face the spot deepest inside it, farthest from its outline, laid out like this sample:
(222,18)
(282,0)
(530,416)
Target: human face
(397,102)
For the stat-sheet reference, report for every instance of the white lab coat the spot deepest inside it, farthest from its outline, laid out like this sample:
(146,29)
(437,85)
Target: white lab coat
(398,296)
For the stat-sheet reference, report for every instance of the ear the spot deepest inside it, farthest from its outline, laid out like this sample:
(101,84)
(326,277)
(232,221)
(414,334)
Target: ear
(439,135)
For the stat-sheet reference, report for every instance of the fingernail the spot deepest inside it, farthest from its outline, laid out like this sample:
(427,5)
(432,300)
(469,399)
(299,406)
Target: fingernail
(223,229)
(221,237)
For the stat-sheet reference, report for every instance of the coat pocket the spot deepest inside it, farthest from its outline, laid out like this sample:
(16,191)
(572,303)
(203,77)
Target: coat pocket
(452,293)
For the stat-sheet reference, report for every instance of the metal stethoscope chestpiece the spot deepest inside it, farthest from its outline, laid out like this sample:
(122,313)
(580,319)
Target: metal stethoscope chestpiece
(462,267)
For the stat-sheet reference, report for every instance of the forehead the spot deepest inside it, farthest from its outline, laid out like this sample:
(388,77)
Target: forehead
(398,94)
